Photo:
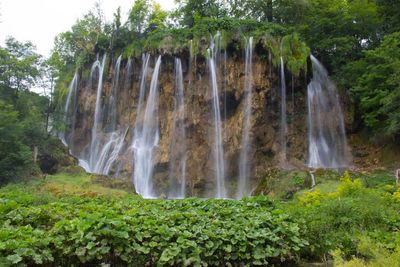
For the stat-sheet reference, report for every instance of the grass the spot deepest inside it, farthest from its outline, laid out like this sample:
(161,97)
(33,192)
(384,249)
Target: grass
(64,184)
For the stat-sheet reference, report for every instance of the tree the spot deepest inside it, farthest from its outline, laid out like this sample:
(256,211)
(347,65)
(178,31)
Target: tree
(15,157)
(79,45)
(378,88)
(188,9)
(338,30)
(389,10)
(19,65)
(157,17)
(252,9)
(139,16)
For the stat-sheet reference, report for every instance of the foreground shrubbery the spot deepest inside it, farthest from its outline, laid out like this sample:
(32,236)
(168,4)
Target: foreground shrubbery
(341,220)
(133,232)
(353,225)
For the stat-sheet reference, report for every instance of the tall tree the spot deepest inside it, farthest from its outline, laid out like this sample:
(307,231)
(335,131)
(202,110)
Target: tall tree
(378,87)
(139,15)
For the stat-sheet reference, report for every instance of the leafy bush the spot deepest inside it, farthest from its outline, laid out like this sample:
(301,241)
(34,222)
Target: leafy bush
(121,231)
(337,220)
(374,255)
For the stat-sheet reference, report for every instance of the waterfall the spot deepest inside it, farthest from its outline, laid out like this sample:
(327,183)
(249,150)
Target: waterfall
(216,47)
(327,144)
(190,54)
(128,74)
(142,89)
(177,167)
(312,180)
(98,116)
(70,109)
(105,146)
(244,160)
(146,136)
(283,130)
(115,140)
(225,82)
(110,152)
(112,113)
(218,152)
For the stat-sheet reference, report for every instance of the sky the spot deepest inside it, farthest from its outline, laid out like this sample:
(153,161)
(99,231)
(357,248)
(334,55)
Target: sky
(39,21)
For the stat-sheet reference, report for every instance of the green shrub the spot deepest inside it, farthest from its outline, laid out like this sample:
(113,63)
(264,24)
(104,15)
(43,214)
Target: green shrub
(337,220)
(374,254)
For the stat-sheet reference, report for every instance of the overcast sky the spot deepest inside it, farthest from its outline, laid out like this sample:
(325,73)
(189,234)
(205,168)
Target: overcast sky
(39,21)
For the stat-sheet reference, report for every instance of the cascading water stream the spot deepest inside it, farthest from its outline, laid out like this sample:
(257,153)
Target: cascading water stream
(112,113)
(114,138)
(70,110)
(312,180)
(283,130)
(110,152)
(128,74)
(218,151)
(327,144)
(146,136)
(98,116)
(244,160)
(225,84)
(105,146)
(177,167)
(142,90)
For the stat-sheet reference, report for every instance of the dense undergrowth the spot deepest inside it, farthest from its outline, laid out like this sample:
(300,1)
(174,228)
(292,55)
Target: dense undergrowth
(71,230)
(72,221)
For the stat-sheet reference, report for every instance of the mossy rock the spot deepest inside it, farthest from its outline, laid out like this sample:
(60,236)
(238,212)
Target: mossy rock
(73,170)
(53,155)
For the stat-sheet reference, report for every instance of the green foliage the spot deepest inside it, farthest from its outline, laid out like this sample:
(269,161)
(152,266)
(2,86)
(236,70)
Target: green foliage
(78,46)
(19,66)
(338,220)
(23,114)
(122,230)
(294,53)
(378,88)
(139,16)
(299,178)
(338,30)
(15,157)
(374,254)
(189,10)
(389,11)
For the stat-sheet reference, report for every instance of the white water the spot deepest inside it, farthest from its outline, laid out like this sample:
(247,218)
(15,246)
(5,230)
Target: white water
(327,144)
(128,74)
(217,149)
(70,110)
(112,104)
(225,84)
(312,180)
(97,121)
(110,152)
(105,147)
(283,130)
(177,163)
(244,160)
(142,90)
(146,136)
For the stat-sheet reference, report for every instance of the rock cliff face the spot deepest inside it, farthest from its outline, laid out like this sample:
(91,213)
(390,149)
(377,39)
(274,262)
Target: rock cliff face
(198,122)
